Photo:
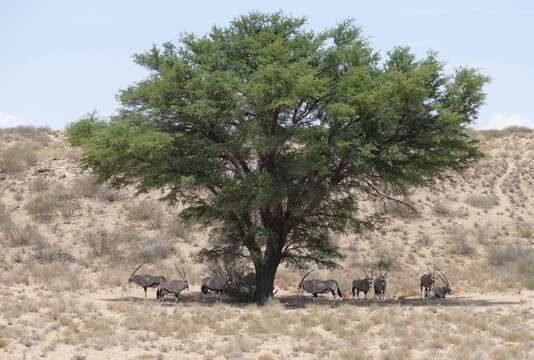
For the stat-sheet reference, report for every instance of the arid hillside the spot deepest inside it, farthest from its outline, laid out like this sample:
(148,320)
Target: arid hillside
(69,244)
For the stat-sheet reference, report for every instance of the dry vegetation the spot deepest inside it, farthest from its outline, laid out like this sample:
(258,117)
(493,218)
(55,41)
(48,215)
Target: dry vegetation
(69,243)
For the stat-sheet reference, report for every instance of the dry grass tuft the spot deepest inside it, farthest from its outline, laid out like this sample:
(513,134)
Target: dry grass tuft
(525,231)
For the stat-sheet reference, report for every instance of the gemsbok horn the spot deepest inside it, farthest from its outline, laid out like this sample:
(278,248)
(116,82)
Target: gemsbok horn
(316,287)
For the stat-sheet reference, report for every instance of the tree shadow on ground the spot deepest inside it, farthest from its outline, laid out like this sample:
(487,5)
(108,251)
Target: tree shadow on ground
(300,302)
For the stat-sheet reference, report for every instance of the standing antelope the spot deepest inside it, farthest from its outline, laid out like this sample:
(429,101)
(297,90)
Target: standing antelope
(316,287)
(427,281)
(364,284)
(174,286)
(439,292)
(146,281)
(380,281)
(215,283)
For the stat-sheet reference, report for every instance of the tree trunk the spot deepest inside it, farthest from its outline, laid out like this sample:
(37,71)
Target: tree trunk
(265,274)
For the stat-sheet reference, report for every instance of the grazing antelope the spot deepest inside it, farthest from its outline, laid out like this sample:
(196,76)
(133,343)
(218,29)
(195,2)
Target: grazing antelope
(427,281)
(364,284)
(380,281)
(215,283)
(146,281)
(174,286)
(440,292)
(316,287)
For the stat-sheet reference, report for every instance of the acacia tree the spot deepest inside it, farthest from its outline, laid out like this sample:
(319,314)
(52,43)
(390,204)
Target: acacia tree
(272,134)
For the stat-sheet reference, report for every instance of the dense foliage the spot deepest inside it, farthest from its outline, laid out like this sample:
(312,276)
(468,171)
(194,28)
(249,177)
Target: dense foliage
(271,134)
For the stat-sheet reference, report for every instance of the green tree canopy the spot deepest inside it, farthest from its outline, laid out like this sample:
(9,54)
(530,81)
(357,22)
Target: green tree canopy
(272,134)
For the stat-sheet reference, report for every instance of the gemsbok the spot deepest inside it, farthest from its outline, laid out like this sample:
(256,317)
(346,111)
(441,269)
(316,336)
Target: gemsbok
(426,281)
(145,281)
(440,292)
(174,286)
(316,287)
(364,284)
(215,283)
(380,281)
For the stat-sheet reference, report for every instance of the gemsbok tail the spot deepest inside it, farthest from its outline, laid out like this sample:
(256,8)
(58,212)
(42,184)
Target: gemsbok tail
(204,289)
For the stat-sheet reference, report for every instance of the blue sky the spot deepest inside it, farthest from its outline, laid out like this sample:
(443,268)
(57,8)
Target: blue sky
(62,59)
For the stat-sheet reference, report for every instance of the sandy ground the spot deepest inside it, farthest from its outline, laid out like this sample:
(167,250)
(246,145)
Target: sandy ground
(119,324)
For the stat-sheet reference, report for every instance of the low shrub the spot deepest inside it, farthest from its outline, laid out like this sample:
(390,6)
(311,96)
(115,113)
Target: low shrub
(505,254)
(106,193)
(459,241)
(102,242)
(399,210)
(441,208)
(43,206)
(145,210)
(525,231)
(179,228)
(17,158)
(39,184)
(46,253)
(520,257)
(58,199)
(86,186)
(482,201)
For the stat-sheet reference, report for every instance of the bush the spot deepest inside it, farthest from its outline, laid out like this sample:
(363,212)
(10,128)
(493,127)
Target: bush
(82,130)
(103,243)
(460,244)
(499,256)
(442,209)
(39,184)
(69,208)
(145,210)
(43,207)
(86,186)
(127,246)
(61,193)
(106,193)
(484,234)
(526,270)
(150,250)
(14,235)
(44,252)
(482,201)
(521,257)
(17,158)
(243,285)
(179,228)
(399,210)
(525,231)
